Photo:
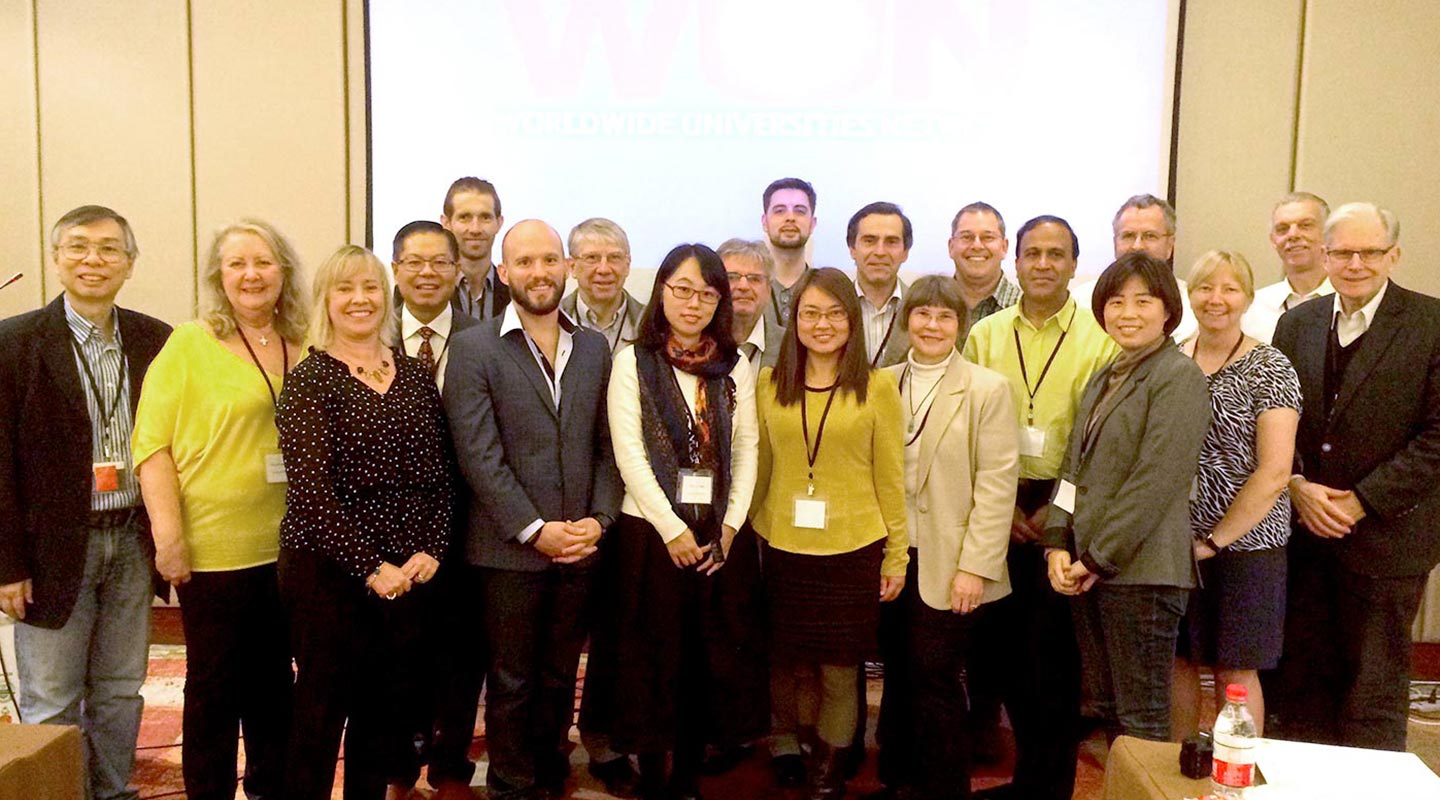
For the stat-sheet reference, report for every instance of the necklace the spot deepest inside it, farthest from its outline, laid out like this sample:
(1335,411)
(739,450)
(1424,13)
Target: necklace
(263,339)
(1195,352)
(376,374)
(910,398)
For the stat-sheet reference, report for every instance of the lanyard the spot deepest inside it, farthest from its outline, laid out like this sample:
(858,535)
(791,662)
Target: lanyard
(107,416)
(880,352)
(274,400)
(1025,376)
(914,432)
(811,455)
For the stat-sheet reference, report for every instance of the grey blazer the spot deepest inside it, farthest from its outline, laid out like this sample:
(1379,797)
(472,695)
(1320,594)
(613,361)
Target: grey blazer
(1133,478)
(522,459)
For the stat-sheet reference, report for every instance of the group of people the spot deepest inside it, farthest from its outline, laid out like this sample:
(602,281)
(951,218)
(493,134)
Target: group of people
(1063,500)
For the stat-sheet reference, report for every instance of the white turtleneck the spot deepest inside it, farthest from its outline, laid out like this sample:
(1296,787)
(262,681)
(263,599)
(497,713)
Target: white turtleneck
(917,394)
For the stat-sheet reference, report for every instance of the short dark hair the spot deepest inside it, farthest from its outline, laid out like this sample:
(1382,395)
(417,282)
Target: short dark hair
(1157,276)
(934,290)
(1047,219)
(977,207)
(884,209)
(788,183)
(88,215)
(423,226)
(470,184)
(654,328)
(854,373)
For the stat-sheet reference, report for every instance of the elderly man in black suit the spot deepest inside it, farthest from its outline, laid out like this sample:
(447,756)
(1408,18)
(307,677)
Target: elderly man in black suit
(75,548)
(1367,493)
(526,399)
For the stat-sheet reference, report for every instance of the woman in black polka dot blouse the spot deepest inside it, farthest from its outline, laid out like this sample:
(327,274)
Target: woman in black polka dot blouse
(368,518)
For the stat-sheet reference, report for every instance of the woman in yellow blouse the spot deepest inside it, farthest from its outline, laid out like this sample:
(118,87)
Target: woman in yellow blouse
(830,505)
(208,460)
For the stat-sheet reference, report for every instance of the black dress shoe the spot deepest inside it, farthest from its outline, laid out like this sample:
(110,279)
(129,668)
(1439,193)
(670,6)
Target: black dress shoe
(618,776)
(789,770)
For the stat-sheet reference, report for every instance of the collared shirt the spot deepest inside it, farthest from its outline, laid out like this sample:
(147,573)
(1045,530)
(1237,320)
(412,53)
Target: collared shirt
(1006,294)
(1349,327)
(880,323)
(410,338)
(1272,302)
(757,338)
(1087,348)
(481,306)
(781,297)
(552,373)
(108,442)
(620,331)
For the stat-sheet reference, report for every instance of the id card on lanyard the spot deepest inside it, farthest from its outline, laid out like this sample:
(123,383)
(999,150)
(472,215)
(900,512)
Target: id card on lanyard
(810,508)
(274,462)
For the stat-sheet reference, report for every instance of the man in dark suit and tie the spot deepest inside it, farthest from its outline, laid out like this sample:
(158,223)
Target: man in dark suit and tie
(1367,494)
(426,267)
(76,555)
(526,399)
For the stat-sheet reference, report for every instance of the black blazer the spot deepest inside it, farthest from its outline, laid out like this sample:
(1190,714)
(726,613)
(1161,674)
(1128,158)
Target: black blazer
(521,459)
(1382,438)
(45,464)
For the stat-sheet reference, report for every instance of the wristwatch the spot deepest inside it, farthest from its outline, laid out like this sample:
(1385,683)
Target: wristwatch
(1211,543)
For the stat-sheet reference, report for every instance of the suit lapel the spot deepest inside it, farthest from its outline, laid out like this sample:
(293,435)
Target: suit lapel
(518,349)
(1311,342)
(1378,339)
(949,397)
(58,355)
(1126,389)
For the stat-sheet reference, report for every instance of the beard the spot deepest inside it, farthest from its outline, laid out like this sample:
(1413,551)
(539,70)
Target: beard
(525,300)
(801,239)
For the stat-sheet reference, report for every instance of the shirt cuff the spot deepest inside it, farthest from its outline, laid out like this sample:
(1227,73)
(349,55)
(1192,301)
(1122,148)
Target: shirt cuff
(529,532)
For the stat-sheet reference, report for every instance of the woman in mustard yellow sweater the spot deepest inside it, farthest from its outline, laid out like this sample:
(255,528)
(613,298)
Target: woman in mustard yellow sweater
(830,505)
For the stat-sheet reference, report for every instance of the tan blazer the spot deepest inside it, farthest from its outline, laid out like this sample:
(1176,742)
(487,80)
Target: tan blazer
(963,494)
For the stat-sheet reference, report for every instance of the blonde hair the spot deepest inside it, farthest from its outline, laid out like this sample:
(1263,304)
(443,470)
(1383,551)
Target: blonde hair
(291,313)
(345,264)
(1211,262)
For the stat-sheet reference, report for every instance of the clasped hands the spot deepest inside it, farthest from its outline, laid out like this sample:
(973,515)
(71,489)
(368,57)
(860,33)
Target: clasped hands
(568,542)
(1068,576)
(390,581)
(686,552)
(1326,512)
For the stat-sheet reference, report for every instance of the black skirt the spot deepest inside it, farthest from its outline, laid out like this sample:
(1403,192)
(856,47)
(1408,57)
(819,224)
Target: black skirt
(672,647)
(824,609)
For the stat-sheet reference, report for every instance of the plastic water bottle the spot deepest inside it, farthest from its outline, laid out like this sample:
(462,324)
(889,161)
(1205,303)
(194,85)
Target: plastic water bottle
(1234,768)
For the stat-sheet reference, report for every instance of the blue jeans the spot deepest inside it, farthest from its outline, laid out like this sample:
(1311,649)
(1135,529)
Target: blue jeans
(88,672)
(1127,640)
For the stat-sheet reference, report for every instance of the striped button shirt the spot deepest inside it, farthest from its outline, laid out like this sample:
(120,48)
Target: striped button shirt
(106,360)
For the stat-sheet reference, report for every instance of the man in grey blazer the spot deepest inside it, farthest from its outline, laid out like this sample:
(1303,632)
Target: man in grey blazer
(600,263)
(749,266)
(879,237)
(525,395)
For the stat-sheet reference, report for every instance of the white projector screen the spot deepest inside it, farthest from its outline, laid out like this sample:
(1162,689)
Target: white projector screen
(671,116)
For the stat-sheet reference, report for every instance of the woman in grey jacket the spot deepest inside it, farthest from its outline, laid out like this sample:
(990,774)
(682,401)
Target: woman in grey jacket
(1119,537)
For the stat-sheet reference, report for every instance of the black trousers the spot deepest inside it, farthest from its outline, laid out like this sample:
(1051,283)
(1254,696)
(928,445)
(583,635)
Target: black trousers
(536,624)
(923,730)
(237,675)
(1027,641)
(361,667)
(1344,675)
(458,640)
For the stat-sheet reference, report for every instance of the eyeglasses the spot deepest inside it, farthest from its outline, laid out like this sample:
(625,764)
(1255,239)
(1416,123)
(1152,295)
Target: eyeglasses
(109,253)
(596,259)
(968,238)
(1369,255)
(834,316)
(1145,237)
(415,264)
(753,278)
(708,297)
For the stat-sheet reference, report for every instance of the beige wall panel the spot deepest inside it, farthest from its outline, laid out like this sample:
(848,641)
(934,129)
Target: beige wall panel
(20,234)
(114,130)
(1237,103)
(270,121)
(359,114)
(1370,118)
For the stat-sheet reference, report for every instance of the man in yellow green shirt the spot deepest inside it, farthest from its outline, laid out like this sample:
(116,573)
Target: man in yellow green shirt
(1048,347)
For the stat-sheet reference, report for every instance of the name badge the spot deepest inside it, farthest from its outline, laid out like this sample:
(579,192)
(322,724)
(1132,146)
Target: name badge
(809,513)
(1032,441)
(1065,496)
(106,475)
(697,487)
(274,468)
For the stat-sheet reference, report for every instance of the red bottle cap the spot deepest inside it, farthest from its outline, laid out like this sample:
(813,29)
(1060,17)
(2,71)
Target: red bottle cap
(1236,693)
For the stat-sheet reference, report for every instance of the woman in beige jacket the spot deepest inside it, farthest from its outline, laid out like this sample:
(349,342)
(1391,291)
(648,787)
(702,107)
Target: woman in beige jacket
(962,464)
